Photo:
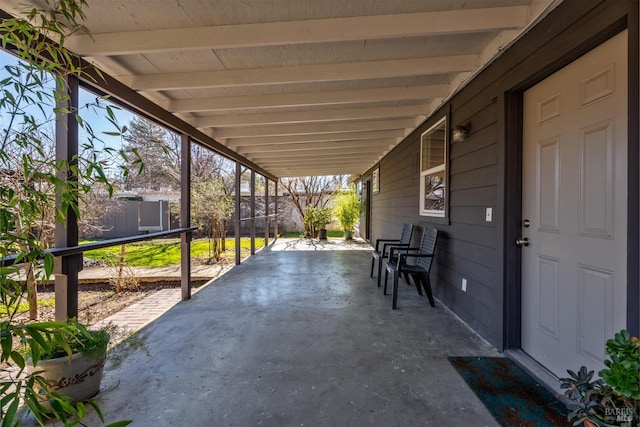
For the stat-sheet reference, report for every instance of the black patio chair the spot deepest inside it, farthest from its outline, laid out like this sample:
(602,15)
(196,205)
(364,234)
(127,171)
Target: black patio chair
(423,255)
(380,255)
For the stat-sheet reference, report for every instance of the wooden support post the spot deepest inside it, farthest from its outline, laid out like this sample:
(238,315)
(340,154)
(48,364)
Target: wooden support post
(276,231)
(266,211)
(236,217)
(66,274)
(185,217)
(253,212)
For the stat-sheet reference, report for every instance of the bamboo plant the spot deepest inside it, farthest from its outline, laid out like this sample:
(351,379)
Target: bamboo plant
(35,194)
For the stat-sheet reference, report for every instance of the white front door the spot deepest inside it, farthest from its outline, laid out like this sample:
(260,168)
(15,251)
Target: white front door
(575,200)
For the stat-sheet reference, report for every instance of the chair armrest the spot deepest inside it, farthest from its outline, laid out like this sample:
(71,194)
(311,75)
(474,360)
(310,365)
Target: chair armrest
(404,256)
(391,244)
(385,240)
(416,255)
(399,249)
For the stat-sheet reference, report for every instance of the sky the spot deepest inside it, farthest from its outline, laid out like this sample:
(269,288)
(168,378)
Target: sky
(97,119)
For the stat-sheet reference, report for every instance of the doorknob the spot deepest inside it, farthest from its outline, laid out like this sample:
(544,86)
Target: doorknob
(523,241)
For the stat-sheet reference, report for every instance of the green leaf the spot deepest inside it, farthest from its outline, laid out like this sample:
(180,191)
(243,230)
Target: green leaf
(119,424)
(36,409)
(6,342)
(96,408)
(110,113)
(10,414)
(18,359)
(81,409)
(49,264)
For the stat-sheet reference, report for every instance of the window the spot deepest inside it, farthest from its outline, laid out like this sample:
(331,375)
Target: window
(433,170)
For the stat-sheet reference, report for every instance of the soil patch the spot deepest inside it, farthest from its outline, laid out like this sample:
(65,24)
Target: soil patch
(97,301)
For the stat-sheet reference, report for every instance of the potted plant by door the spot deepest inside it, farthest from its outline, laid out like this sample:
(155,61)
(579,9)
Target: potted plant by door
(348,209)
(614,399)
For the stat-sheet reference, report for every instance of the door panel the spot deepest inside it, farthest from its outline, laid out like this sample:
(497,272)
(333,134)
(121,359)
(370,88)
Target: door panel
(574,195)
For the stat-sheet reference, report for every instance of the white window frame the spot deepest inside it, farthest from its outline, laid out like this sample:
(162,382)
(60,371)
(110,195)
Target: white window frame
(439,168)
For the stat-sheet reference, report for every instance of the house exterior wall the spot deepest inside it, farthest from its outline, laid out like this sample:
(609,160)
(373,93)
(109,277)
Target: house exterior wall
(485,169)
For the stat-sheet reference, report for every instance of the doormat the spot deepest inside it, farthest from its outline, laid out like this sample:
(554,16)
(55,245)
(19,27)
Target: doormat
(509,393)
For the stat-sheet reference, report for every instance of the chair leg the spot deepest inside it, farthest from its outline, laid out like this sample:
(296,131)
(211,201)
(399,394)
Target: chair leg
(373,261)
(379,270)
(426,283)
(416,281)
(406,278)
(386,276)
(394,303)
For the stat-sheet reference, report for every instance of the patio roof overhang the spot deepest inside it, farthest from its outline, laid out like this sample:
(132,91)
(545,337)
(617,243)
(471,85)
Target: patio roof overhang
(292,87)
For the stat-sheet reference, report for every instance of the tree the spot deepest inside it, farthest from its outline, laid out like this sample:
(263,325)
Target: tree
(314,191)
(212,202)
(211,206)
(212,176)
(159,149)
(348,208)
(207,164)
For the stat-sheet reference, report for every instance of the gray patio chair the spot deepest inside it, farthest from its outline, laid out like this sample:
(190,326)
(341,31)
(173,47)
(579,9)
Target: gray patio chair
(423,255)
(381,254)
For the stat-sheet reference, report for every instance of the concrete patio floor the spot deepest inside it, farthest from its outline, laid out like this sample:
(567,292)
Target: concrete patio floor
(298,335)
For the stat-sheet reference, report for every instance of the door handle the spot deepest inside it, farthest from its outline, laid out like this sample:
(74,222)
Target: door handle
(522,241)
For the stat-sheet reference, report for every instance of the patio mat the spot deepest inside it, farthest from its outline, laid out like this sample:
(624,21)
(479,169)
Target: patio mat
(509,393)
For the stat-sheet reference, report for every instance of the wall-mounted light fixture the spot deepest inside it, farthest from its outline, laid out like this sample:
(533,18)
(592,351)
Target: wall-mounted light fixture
(460,132)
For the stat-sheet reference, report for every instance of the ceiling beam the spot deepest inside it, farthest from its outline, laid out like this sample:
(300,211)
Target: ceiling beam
(341,170)
(318,154)
(307,99)
(324,137)
(304,147)
(300,32)
(314,128)
(314,162)
(302,73)
(328,115)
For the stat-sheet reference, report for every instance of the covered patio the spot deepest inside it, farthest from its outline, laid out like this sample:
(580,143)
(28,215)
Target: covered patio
(298,335)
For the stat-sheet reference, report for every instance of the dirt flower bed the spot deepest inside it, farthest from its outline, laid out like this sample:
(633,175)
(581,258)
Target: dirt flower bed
(96,301)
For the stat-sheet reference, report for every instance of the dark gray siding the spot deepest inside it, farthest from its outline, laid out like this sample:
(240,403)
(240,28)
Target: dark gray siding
(480,177)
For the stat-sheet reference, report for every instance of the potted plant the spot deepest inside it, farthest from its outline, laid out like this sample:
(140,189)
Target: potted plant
(316,220)
(323,216)
(72,366)
(348,209)
(309,220)
(614,399)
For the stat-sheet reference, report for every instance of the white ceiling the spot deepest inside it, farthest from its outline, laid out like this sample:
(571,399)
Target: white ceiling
(300,87)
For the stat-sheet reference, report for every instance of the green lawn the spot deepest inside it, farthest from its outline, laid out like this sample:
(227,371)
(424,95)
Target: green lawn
(23,307)
(156,253)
